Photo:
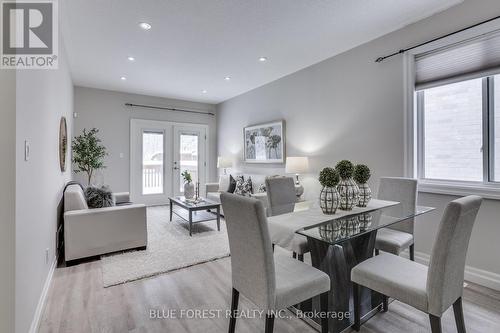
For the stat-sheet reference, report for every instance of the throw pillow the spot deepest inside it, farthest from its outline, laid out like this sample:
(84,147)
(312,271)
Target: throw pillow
(243,187)
(99,197)
(262,188)
(232,184)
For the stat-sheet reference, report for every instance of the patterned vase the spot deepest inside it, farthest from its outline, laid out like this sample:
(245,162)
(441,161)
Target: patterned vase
(365,195)
(189,190)
(349,193)
(329,200)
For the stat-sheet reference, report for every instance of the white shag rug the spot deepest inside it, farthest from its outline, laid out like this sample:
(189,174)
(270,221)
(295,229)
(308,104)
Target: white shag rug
(169,248)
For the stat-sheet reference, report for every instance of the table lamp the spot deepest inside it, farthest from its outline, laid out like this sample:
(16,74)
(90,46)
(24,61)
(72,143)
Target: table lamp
(224,163)
(297,165)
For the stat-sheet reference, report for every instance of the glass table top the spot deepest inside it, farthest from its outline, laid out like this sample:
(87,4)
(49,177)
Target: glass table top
(340,229)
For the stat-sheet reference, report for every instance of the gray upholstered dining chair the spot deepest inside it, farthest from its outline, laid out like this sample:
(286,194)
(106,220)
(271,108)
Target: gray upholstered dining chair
(430,289)
(271,282)
(398,237)
(281,197)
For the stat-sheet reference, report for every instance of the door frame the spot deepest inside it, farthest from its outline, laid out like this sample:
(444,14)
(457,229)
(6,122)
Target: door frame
(138,123)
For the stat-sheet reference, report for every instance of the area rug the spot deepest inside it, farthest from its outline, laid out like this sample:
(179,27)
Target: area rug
(169,248)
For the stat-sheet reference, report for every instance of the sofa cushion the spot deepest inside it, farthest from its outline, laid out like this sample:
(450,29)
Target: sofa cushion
(74,199)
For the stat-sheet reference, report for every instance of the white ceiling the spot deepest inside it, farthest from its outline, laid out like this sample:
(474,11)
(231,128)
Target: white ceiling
(194,44)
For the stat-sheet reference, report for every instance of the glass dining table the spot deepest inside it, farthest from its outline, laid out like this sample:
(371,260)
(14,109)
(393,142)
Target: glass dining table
(336,246)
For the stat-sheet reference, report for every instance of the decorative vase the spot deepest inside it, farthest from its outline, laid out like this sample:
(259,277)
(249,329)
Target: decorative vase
(329,200)
(349,193)
(365,195)
(189,190)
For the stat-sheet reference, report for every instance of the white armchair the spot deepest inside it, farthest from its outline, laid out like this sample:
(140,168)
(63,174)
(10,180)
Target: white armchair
(91,232)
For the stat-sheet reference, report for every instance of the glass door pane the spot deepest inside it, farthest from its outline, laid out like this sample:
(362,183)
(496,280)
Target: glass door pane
(152,162)
(496,130)
(188,161)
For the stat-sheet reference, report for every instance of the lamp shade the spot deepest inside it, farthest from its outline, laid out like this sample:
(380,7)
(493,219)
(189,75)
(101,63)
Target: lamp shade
(223,162)
(297,165)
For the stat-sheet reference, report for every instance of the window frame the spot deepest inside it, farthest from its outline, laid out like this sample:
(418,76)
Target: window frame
(486,190)
(488,186)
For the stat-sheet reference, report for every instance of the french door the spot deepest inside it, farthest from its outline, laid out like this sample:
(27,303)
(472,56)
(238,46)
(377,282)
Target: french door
(159,152)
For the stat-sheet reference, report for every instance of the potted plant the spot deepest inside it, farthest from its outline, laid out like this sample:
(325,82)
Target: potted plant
(361,176)
(88,153)
(188,185)
(348,190)
(329,197)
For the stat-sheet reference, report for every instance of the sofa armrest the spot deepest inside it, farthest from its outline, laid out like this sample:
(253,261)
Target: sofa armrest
(90,232)
(212,187)
(122,197)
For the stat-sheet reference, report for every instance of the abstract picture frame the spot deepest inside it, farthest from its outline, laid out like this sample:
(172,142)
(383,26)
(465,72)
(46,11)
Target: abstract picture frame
(265,143)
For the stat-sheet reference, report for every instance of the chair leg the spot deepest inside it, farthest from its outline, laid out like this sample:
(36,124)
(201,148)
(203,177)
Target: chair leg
(435,324)
(323,301)
(294,255)
(300,257)
(459,315)
(377,252)
(234,307)
(412,252)
(269,323)
(357,308)
(385,303)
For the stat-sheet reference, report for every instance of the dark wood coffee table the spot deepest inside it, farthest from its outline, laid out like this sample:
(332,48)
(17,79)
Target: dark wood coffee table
(194,212)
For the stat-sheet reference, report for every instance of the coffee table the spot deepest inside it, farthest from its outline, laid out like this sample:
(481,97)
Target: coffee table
(194,212)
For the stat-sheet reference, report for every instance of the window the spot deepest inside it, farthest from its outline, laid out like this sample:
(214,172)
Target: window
(152,162)
(459,131)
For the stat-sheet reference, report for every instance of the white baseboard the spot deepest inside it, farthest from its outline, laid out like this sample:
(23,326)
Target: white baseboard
(472,274)
(35,323)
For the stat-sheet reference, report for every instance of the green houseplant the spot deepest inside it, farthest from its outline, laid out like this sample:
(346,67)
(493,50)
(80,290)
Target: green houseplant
(188,185)
(361,176)
(329,197)
(348,190)
(88,153)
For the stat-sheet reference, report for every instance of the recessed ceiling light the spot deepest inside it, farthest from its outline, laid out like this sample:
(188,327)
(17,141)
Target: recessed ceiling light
(131,58)
(123,78)
(204,91)
(227,78)
(262,59)
(145,25)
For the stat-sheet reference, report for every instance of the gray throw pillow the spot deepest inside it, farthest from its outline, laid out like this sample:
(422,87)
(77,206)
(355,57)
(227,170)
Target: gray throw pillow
(99,197)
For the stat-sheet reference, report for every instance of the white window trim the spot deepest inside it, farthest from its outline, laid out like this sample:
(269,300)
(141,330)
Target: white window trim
(486,190)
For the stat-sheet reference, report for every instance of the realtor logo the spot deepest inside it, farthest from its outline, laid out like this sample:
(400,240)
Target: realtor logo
(29,35)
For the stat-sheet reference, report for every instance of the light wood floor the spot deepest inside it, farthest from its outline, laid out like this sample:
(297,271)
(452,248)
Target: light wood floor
(77,302)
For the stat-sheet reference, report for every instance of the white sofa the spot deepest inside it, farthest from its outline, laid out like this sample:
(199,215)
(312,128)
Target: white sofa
(213,191)
(91,232)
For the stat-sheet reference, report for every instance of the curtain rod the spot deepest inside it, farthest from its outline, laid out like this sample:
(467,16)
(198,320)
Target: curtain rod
(380,59)
(167,108)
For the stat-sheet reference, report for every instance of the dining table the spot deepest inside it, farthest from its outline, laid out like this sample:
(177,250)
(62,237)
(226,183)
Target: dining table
(337,243)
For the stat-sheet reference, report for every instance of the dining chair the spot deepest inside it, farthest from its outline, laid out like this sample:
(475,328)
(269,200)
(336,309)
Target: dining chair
(398,237)
(271,282)
(430,289)
(282,197)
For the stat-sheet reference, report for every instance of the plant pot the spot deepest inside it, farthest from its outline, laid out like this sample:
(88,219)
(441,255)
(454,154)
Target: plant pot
(349,193)
(365,195)
(329,200)
(189,190)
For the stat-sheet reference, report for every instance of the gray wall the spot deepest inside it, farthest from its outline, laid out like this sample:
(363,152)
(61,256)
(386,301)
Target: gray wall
(350,107)
(7,198)
(43,97)
(106,111)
